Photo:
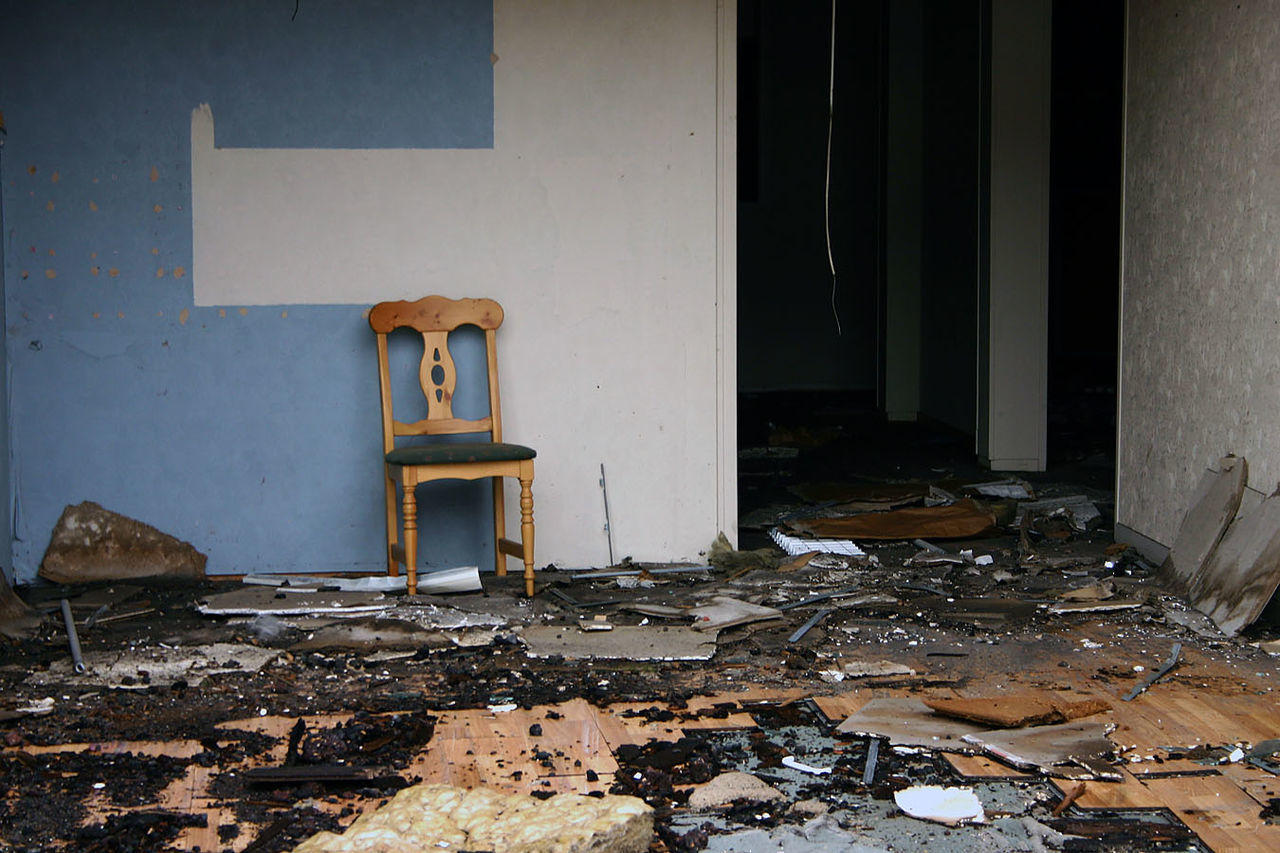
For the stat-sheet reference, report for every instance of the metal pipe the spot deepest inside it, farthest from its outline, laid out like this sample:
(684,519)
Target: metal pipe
(813,620)
(1155,676)
(873,755)
(608,526)
(77,662)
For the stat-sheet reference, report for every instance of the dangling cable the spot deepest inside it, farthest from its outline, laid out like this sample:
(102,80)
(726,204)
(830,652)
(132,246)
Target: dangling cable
(831,114)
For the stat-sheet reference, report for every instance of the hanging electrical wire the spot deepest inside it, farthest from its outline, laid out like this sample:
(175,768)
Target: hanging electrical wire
(831,115)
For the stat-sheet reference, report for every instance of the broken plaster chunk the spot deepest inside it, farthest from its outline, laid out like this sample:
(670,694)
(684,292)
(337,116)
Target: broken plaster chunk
(90,543)
(950,806)
(734,786)
(444,817)
(864,669)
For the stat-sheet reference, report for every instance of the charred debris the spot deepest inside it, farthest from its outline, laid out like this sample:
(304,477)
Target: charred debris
(885,664)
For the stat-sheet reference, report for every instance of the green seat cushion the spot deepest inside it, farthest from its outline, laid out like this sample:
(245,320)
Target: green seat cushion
(470,451)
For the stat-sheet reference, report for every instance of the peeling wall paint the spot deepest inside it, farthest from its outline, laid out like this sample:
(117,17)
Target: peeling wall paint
(1200,345)
(243,433)
(248,425)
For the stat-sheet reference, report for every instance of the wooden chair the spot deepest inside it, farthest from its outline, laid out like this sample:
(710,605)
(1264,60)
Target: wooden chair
(435,317)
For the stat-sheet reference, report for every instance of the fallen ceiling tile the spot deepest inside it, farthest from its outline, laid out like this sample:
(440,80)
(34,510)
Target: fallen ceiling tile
(649,642)
(356,633)
(1075,750)
(723,611)
(909,722)
(138,669)
(272,601)
(864,669)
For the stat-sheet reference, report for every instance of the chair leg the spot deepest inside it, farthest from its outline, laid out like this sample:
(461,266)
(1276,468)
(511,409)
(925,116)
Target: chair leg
(499,527)
(526,530)
(410,510)
(393,530)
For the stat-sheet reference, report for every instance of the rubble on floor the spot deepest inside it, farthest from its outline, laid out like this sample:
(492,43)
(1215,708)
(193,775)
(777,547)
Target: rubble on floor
(805,694)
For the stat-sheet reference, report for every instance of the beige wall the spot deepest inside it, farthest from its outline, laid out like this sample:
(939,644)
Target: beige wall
(593,220)
(1200,328)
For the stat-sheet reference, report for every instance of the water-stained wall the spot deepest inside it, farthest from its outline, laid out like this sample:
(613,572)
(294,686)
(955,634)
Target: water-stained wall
(1200,328)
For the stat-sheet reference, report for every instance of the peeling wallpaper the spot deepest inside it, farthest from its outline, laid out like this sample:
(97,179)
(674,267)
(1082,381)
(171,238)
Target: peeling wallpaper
(1200,328)
(247,423)
(241,430)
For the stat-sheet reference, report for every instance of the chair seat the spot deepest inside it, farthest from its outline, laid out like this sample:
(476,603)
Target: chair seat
(442,453)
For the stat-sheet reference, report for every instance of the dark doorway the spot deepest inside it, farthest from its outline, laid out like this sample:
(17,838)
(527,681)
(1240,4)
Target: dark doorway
(811,349)
(1084,232)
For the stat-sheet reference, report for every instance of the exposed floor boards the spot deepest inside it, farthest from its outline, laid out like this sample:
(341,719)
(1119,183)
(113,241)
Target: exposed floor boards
(478,746)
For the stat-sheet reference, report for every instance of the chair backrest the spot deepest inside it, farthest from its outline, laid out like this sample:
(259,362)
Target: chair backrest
(435,317)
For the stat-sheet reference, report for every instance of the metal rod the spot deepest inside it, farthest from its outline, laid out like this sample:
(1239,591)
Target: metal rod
(873,755)
(97,614)
(826,596)
(608,526)
(72,637)
(813,620)
(630,573)
(1151,679)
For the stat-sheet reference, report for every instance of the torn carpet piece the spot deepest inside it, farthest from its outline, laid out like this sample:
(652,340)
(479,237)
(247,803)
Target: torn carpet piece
(960,520)
(1016,710)
(444,817)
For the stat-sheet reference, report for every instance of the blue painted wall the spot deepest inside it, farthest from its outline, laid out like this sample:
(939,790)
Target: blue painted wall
(250,432)
(6,509)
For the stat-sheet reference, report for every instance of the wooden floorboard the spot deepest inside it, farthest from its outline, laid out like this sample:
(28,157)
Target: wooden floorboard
(1202,705)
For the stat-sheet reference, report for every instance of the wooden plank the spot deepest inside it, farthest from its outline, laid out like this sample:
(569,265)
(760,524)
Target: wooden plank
(1218,811)
(1127,794)
(1257,783)
(980,767)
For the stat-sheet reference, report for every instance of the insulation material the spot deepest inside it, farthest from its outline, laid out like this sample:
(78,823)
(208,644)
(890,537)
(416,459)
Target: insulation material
(443,817)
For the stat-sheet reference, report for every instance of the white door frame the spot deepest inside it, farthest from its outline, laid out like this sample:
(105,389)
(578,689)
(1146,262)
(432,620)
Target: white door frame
(727,267)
